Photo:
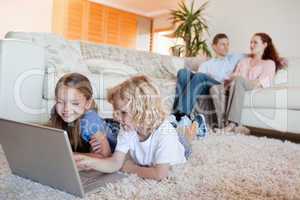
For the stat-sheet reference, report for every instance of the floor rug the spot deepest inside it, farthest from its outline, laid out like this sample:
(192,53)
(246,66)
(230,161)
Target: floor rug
(228,166)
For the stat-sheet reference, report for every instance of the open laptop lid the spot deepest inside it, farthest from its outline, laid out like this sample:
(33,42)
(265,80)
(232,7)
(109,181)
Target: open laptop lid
(41,154)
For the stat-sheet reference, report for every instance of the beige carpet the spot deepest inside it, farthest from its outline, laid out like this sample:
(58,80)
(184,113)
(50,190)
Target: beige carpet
(222,167)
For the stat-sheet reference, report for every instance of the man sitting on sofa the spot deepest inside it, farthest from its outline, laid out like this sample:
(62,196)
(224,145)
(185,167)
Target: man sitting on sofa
(191,85)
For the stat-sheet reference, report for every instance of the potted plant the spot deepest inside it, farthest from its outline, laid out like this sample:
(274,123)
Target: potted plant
(190,27)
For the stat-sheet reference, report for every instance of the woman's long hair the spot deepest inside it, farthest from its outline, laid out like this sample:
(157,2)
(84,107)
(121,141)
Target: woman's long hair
(83,85)
(270,52)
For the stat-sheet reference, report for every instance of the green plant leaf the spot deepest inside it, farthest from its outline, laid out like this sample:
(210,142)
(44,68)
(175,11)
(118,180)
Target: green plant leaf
(191,26)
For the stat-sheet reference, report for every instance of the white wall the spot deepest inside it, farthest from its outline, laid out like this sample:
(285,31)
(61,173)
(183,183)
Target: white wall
(162,43)
(162,22)
(143,33)
(241,18)
(25,15)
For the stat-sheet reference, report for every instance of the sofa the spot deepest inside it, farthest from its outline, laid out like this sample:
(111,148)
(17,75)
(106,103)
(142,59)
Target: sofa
(31,64)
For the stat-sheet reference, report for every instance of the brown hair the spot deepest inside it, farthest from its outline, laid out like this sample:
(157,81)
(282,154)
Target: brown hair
(83,85)
(143,99)
(270,52)
(218,37)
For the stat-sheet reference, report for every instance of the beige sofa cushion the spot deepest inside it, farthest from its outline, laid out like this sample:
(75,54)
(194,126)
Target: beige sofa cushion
(293,71)
(274,119)
(275,98)
(99,66)
(154,65)
(59,53)
(285,92)
(167,91)
(281,78)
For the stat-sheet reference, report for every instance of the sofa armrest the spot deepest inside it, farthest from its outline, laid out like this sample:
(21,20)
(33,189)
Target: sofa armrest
(21,80)
(193,63)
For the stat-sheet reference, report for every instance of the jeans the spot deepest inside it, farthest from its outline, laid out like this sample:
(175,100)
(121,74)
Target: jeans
(185,143)
(189,87)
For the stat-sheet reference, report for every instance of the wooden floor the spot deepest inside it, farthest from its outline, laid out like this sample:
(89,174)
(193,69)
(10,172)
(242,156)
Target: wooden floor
(293,137)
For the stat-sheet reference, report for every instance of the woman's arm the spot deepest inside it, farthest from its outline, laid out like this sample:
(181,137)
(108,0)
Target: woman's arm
(157,172)
(240,68)
(233,75)
(106,165)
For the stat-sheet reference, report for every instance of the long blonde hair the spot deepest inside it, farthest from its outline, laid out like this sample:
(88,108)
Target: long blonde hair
(83,85)
(143,99)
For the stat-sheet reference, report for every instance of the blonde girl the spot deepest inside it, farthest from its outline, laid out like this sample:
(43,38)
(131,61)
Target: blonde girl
(151,141)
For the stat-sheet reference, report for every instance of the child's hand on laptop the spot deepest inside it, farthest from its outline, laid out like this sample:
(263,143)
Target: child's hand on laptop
(82,162)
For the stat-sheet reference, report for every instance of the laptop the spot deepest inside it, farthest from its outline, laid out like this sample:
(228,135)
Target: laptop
(44,155)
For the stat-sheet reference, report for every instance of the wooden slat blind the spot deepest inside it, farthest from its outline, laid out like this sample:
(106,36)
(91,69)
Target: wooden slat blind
(74,19)
(128,29)
(96,29)
(113,26)
(94,22)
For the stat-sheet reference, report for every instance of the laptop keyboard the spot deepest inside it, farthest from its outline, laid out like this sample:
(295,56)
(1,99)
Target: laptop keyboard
(92,179)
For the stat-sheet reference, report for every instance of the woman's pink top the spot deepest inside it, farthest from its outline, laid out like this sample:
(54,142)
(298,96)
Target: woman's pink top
(264,71)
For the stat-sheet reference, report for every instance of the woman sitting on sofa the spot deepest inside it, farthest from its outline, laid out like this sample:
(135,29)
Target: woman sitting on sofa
(256,71)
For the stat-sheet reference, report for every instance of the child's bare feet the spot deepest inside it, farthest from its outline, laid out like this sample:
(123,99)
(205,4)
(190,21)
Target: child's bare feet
(230,127)
(190,132)
(242,130)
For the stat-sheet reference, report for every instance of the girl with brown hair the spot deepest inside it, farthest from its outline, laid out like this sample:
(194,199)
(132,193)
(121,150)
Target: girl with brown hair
(76,112)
